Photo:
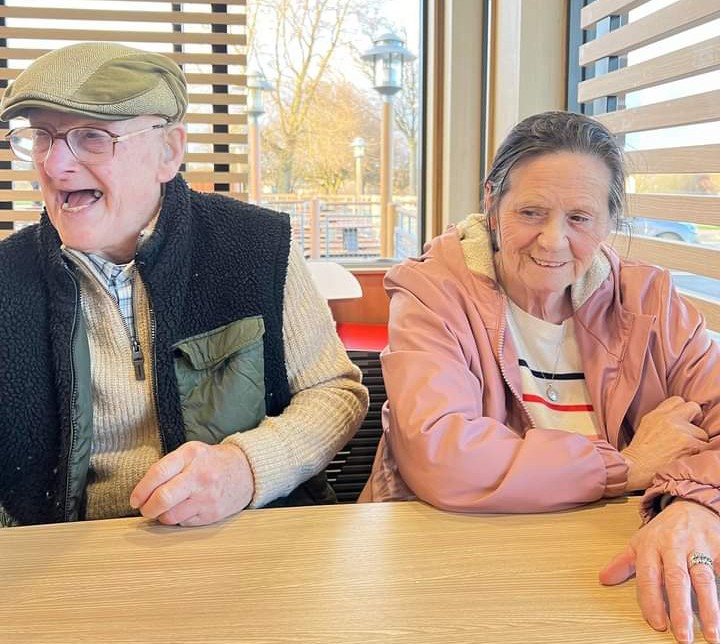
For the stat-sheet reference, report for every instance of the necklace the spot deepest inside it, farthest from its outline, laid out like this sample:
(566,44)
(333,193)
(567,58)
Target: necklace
(550,392)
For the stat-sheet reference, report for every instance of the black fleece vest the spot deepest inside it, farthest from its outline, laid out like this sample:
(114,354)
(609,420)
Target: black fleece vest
(210,260)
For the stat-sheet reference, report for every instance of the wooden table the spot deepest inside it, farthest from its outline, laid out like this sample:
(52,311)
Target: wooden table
(383,573)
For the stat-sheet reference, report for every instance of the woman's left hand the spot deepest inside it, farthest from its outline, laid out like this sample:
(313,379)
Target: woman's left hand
(658,555)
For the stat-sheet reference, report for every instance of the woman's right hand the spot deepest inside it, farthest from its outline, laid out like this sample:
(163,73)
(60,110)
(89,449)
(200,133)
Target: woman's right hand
(665,434)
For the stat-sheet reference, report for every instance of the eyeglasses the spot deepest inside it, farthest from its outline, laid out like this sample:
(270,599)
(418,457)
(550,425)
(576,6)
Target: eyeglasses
(89,145)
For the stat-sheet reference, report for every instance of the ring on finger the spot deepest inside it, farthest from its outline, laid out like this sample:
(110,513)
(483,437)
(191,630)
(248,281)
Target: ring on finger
(700,558)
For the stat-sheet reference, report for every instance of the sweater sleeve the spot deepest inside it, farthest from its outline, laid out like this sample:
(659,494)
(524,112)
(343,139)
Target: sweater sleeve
(328,400)
(448,426)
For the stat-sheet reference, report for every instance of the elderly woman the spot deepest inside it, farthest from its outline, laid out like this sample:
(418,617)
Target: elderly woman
(530,369)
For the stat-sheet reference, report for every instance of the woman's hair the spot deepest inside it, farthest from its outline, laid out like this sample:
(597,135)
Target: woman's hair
(552,132)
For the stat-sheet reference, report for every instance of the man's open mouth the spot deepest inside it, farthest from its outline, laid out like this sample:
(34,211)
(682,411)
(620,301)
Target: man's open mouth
(77,200)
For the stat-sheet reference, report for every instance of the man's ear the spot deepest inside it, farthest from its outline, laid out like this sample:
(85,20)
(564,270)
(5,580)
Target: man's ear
(173,151)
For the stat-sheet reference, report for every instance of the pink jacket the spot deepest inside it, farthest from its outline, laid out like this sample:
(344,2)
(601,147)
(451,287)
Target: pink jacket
(457,434)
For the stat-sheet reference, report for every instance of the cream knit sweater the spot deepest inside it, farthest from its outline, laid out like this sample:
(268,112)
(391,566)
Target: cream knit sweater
(327,406)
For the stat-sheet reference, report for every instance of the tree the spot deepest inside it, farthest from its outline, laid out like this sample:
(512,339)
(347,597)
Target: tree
(296,51)
(407,118)
(340,113)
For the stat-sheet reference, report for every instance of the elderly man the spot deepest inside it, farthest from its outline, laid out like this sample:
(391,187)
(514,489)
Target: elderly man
(164,351)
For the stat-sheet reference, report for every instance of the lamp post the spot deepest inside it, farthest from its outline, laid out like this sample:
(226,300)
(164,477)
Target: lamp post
(256,85)
(358,146)
(387,57)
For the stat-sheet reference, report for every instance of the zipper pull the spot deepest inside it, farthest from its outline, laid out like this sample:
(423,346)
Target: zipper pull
(138,360)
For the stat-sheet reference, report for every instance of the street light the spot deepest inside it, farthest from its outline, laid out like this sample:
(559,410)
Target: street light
(358,146)
(387,57)
(256,85)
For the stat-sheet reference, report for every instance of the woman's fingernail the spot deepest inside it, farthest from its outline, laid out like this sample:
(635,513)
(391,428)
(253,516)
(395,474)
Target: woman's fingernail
(684,635)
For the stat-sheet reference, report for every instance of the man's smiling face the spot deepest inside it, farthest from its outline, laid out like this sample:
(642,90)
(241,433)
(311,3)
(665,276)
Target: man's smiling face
(101,208)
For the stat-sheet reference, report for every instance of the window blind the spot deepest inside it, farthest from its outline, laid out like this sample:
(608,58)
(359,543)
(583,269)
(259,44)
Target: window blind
(207,39)
(651,71)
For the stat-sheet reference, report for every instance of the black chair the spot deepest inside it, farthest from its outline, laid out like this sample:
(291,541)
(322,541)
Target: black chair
(350,469)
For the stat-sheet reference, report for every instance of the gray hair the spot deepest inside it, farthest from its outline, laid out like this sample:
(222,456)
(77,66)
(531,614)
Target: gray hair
(552,132)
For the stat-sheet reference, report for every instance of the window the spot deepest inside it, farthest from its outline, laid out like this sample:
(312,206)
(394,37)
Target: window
(650,71)
(335,111)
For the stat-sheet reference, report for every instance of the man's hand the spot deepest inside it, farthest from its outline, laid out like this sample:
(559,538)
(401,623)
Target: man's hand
(658,556)
(664,434)
(195,485)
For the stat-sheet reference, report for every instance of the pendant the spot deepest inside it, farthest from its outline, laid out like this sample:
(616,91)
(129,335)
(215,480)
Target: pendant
(551,393)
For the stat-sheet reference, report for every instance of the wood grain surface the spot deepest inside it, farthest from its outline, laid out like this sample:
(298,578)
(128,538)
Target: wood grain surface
(401,572)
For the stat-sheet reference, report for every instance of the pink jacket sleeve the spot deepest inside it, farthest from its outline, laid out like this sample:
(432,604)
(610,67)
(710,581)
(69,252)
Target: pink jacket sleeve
(447,428)
(693,363)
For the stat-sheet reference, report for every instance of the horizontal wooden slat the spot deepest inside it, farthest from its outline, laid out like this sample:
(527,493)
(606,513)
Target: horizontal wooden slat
(688,61)
(677,17)
(193,78)
(215,177)
(709,309)
(698,209)
(670,254)
(179,37)
(700,108)
(16,175)
(116,15)
(217,99)
(692,159)
(20,195)
(215,157)
(600,9)
(213,137)
(208,137)
(190,157)
(220,119)
(236,3)
(20,215)
(13,53)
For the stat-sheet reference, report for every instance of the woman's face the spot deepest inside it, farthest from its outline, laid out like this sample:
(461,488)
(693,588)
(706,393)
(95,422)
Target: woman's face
(549,224)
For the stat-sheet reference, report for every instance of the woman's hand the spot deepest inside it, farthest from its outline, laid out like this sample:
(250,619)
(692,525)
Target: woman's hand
(665,434)
(658,555)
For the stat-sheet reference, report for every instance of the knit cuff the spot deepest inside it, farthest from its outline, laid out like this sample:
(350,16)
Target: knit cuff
(270,466)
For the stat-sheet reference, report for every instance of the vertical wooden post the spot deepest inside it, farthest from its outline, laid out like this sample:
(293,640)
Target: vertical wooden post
(315,228)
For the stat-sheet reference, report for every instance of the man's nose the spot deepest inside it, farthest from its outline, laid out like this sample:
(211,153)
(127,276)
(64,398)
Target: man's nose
(59,158)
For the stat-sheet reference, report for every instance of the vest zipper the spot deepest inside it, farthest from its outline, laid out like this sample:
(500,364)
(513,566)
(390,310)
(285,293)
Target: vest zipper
(153,380)
(138,358)
(73,394)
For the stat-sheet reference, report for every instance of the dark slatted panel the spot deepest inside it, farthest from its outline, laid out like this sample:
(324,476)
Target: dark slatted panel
(350,468)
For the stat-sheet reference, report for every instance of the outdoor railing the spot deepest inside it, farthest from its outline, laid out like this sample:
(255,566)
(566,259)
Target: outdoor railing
(342,228)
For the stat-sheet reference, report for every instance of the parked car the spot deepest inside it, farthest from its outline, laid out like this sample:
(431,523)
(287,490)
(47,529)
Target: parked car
(664,229)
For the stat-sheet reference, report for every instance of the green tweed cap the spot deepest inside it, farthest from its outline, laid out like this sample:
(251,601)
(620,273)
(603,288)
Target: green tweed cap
(101,80)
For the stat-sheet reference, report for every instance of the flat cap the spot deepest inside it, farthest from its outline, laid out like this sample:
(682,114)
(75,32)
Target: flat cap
(101,80)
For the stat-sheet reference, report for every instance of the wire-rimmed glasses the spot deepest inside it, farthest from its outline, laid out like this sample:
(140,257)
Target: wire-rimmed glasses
(89,145)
